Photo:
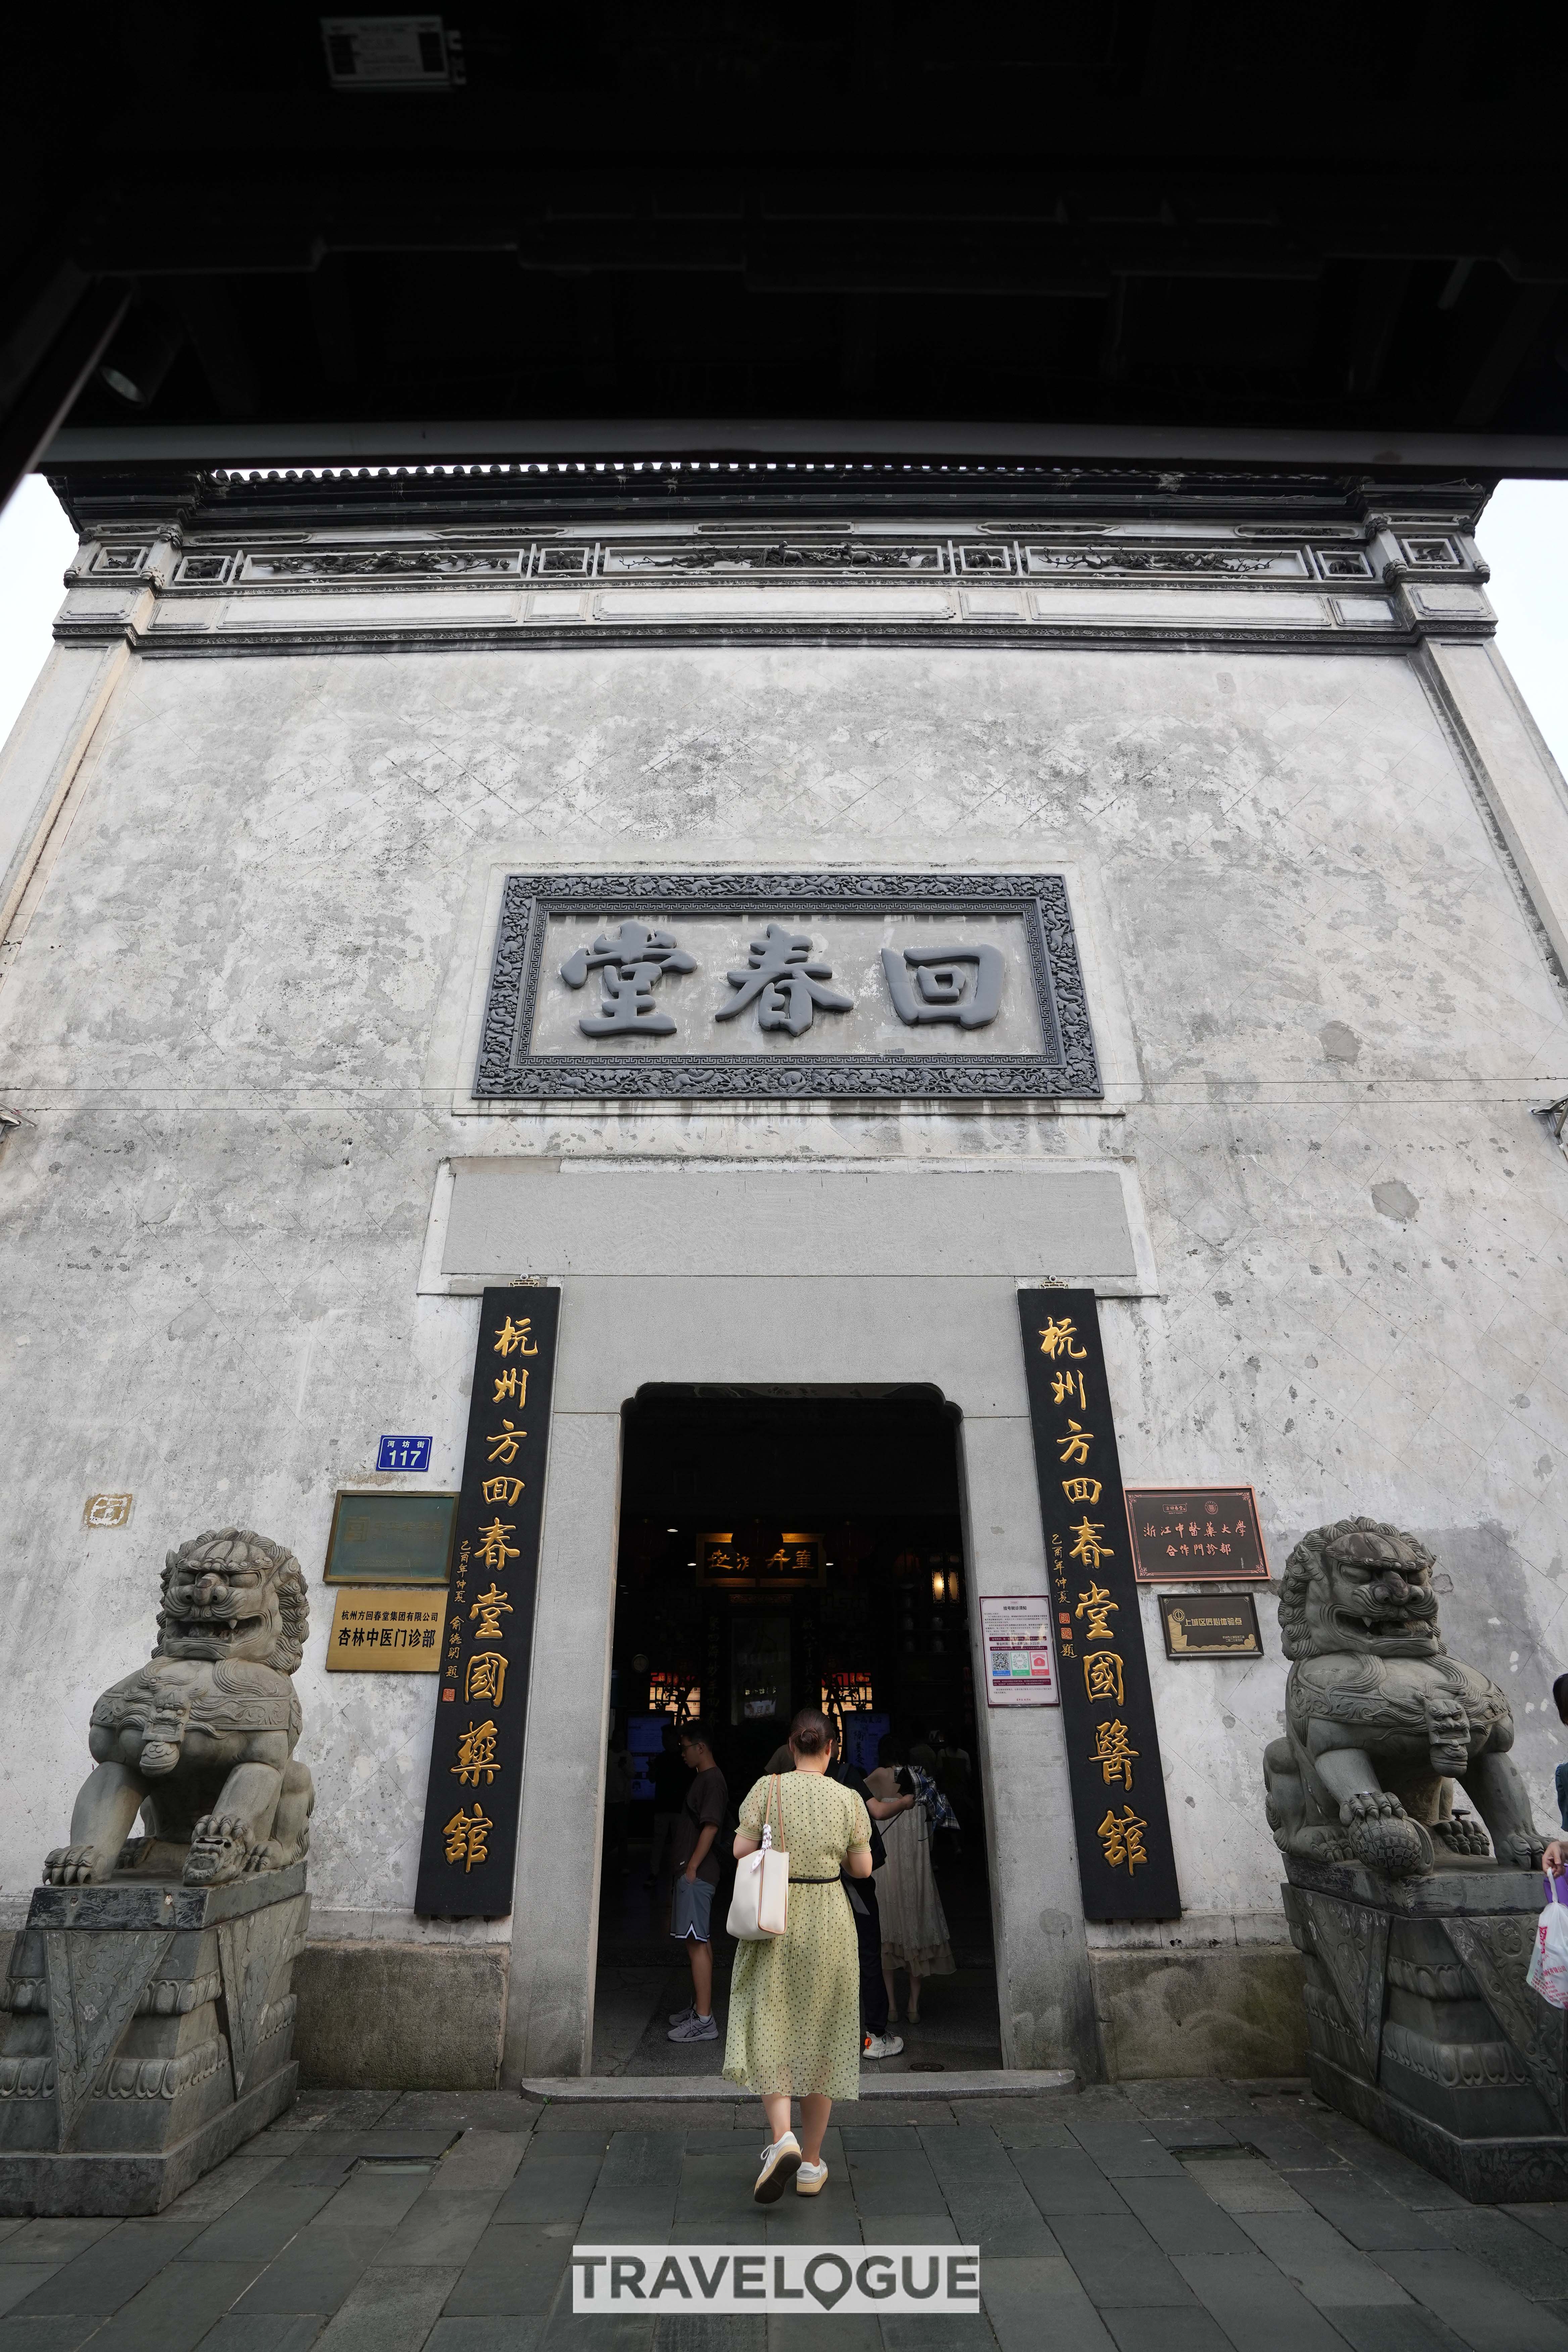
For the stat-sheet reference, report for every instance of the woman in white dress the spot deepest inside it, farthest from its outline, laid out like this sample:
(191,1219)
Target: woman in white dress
(914,1926)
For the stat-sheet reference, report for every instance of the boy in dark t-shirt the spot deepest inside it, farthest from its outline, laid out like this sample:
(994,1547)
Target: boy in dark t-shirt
(696,1870)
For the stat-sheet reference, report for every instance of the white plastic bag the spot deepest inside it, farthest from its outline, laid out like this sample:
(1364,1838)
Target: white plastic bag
(759,1909)
(1548,1971)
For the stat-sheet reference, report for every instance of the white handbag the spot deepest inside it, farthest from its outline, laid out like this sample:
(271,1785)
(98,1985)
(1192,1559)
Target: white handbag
(759,1907)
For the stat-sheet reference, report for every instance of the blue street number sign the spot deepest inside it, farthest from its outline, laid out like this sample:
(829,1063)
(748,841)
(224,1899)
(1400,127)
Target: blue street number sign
(403,1453)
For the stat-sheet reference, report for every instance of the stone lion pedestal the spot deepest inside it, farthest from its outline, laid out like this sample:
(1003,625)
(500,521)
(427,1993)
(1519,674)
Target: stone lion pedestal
(1415,1915)
(149,2033)
(147,2015)
(1421,2026)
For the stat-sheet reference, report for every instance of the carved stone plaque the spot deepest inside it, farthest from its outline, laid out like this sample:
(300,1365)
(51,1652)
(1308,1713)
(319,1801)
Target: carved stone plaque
(793,985)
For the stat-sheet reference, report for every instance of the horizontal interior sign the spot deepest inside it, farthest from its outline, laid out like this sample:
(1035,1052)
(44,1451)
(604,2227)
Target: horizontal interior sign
(529,1216)
(739,986)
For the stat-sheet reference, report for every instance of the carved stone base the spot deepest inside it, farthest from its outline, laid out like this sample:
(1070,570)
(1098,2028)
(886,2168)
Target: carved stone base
(1420,2024)
(147,2030)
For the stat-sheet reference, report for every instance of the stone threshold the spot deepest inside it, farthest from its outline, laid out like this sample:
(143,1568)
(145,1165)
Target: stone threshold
(982,2083)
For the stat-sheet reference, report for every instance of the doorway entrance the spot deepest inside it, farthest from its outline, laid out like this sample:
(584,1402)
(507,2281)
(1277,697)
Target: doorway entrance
(778,1550)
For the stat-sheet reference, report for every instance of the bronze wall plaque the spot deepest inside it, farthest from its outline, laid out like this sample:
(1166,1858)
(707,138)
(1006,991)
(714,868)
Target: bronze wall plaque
(1185,1535)
(385,1628)
(397,1538)
(1210,1625)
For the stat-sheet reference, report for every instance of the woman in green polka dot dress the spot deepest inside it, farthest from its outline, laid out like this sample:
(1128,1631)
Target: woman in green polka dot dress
(795,1998)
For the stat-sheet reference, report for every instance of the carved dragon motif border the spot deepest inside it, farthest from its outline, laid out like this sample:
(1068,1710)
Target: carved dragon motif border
(1068,1068)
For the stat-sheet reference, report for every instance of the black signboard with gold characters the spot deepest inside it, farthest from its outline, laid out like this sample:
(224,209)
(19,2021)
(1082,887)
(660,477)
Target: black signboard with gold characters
(468,1857)
(1124,1857)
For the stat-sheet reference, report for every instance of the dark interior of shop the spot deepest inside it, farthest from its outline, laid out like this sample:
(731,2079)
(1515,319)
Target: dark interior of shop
(781,1549)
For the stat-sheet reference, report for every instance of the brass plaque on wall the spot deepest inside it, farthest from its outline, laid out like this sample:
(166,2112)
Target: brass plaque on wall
(386,1630)
(1210,1625)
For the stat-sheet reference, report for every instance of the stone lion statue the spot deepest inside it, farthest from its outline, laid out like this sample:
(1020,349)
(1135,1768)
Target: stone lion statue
(1381,1723)
(201,1740)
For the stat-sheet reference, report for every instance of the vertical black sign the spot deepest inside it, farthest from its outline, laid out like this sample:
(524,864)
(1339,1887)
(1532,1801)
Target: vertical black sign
(468,1856)
(1124,1857)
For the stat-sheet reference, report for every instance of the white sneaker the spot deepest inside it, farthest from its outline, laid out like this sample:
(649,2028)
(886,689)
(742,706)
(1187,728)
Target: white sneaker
(781,2162)
(694,2029)
(680,2016)
(881,2045)
(808,2181)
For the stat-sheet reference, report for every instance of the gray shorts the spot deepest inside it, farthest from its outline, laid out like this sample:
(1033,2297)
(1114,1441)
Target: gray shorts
(688,1913)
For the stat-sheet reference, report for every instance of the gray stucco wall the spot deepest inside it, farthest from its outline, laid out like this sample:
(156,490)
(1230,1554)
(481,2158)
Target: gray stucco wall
(237,1026)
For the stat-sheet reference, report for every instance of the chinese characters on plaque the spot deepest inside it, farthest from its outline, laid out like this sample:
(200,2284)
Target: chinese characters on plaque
(386,1630)
(1210,1625)
(468,1856)
(783,980)
(1123,1835)
(107,1511)
(656,984)
(1187,1535)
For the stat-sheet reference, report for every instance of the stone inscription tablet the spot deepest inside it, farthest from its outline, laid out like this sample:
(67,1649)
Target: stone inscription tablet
(735,985)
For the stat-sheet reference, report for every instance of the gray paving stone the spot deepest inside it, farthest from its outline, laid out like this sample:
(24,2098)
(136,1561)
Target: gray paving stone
(20,2281)
(909,2230)
(553,2182)
(1040,2303)
(1366,2214)
(1181,2219)
(1329,2272)
(223,2186)
(1123,2150)
(1257,2309)
(512,2274)
(311,2167)
(511,2334)
(1245,2184)
(1521,2256)
(481,2159)
(812,2220)
(710,2331)
(644,2211)
(1548,2221)
(1422,2191)
(390,2310)
(568,2328)
(1397,2328)
(9,2227)
(1290,2145)
(175,2311)
(260,2224)
(824,2331)
(1064,2181)
(107,2275)
(988,2202)
(1195,2131)
(442,2229)
(1191,2330)
(1479,2305)
(313,2273)
(264,2332)
(1117,2266)
(633,2159)
(490,2111)
(949,2331)
(371,2200)
(63,2333)
(53,2240)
